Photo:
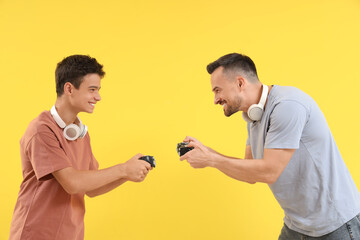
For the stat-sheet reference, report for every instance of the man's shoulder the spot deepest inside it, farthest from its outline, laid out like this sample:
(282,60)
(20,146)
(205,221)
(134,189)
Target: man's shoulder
(286,92)
(289,94)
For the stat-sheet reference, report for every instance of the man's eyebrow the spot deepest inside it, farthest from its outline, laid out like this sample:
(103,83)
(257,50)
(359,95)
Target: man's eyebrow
(215,88)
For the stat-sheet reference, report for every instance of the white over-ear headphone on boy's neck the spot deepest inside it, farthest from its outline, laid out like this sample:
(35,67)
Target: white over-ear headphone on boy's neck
(71,131)
(255,111)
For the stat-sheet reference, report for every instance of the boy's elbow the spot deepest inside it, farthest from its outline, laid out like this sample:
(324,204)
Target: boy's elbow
(91,194)
(71,188)
(68,180)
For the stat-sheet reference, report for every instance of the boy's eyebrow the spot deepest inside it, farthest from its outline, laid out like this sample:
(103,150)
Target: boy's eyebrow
(94,87)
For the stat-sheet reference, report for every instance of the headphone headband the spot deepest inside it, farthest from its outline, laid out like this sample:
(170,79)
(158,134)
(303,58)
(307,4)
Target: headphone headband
(57,118)
(255,111)
(264,93)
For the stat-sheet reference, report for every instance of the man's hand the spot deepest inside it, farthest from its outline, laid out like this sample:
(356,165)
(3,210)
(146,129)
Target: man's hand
(200,156)
(136,170)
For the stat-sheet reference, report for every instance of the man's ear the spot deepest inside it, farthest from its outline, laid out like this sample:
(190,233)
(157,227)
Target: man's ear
(240,81)
(68,88)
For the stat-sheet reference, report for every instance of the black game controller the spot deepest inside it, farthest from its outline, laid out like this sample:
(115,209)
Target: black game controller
(183,148)
(149,159)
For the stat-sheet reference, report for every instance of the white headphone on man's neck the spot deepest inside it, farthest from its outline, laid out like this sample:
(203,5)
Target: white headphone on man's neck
(71,131)
(255,111)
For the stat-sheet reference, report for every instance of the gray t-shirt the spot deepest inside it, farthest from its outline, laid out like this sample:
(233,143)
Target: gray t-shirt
(315,190)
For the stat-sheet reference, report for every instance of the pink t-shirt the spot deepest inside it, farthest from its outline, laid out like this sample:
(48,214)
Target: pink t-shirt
(44,210)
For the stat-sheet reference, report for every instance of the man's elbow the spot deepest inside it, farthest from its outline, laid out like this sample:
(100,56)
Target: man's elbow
(271,178)
(251,182)
(268,174)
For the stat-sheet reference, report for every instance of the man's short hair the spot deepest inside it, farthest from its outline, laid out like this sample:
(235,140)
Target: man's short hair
(234,62)
(73,69)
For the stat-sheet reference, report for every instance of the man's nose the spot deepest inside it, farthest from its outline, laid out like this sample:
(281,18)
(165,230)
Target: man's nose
(216,100)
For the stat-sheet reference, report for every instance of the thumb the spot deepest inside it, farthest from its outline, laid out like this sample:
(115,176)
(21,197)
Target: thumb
(189,139)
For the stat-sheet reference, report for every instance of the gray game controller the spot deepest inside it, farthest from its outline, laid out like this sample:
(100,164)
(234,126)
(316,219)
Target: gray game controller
(149,159)
(183,148)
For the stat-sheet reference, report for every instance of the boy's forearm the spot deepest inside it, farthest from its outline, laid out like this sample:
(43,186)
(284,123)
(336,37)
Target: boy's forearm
(77,181)
(106,188)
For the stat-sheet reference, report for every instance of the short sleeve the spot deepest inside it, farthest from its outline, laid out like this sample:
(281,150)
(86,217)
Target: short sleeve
(46,154)
(94,165)
(287,122)
(248,132)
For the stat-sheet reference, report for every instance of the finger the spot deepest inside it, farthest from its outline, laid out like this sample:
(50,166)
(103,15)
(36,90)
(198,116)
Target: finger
(148,166)
(189,139)
(137,156)
(185,156)
(145,168)
(193,144)
(195,166)
(192,164)
(145,163)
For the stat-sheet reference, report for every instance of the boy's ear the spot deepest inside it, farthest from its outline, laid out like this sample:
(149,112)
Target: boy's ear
(68,88)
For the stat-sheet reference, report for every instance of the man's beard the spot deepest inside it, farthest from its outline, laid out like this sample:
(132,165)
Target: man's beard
(232,108)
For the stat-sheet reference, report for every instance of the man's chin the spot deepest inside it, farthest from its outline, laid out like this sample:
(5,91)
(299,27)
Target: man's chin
(228,114)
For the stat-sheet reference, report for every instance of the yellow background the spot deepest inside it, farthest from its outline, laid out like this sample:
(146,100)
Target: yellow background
(157,91)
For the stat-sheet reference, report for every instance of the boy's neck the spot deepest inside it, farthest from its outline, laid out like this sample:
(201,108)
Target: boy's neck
(65,111)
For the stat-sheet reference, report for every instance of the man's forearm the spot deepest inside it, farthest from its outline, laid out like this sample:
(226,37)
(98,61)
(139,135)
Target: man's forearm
(266,170)
(246,170)
(213,151)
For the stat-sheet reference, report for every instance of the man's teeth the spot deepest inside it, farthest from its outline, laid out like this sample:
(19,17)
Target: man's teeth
(92,104)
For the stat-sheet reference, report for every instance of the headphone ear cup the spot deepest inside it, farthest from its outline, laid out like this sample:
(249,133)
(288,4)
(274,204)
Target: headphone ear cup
(255,112)
(72,132)
(83,131)
(246,117)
